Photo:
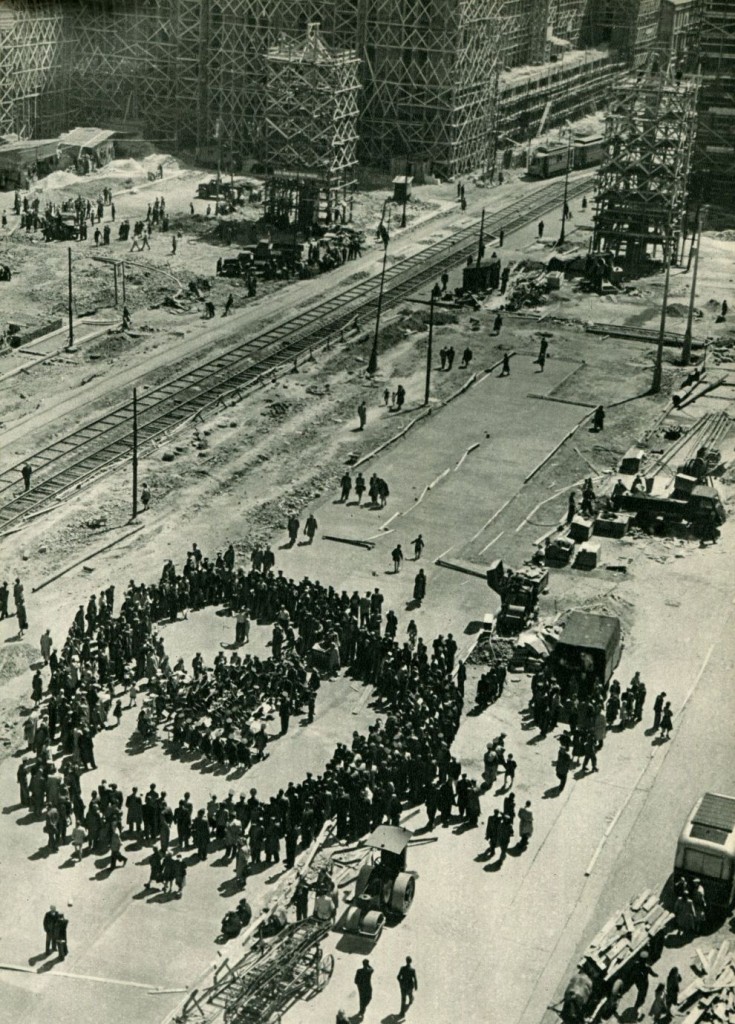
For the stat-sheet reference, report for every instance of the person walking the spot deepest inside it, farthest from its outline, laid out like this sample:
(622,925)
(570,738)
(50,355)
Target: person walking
(658,707)
(346,485)
(364,983)
(418,547)
(641,971)
(498,323)
(397,556)
(360,487)
(27,473)
(311,527)
(667,721)
(408,984)
(145,497)
(505,372)
(563,764)
(229,304)
(116,853)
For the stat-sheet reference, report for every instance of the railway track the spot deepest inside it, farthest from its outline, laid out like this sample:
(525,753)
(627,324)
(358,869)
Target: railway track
(105,442)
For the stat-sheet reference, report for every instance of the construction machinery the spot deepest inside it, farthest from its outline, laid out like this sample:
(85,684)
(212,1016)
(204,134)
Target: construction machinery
(519,591)
(384,887)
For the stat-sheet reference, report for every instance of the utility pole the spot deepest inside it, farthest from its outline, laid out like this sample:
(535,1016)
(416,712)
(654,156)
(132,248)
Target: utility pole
(429,343)
(122,267)
(135,453)
(373,362)
(686,351)
(405,193)
(563,235)
(658,367)
(70,346)
(114,275)
(481,239)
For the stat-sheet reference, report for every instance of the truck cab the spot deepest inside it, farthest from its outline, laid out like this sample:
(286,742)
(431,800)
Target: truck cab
(706,848)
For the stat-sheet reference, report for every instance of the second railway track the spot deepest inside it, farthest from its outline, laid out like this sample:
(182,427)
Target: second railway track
(105,442)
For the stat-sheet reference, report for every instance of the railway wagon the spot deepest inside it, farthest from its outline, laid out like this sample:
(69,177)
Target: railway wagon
(551,158)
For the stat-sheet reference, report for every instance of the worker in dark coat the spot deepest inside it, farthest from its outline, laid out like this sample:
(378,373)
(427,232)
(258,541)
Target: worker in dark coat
(419,587)
(598,419)
(49,926)
(364,982)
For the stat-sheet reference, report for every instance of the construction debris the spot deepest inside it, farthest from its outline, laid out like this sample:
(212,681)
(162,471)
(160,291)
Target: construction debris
(713,993)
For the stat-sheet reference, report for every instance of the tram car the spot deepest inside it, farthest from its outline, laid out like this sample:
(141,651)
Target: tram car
(551,158)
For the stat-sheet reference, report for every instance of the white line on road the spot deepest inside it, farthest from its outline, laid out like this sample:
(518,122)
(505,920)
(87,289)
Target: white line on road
(492,542)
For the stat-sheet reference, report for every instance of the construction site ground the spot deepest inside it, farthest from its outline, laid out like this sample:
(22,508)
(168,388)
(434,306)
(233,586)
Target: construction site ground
(487,940)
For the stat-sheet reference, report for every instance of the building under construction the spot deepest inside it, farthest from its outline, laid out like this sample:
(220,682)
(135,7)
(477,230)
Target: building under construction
(642,185)
(194,74)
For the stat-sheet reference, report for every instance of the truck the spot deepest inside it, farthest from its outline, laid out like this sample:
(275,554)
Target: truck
(519,591)
(700,508)
(706,849)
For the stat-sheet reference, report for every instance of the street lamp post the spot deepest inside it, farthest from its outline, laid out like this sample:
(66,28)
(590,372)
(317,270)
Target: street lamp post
(372,367)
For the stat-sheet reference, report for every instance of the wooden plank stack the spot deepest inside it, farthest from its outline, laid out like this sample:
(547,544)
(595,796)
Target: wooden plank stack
(712,994)
(627,934)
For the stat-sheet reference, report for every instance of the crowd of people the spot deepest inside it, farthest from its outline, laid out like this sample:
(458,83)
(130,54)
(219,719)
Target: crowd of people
(404,757)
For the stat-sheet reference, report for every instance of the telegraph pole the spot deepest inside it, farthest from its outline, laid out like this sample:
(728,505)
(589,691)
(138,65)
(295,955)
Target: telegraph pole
(563,235)
(135,453)
(373,362)
(429,343)
(686,351)
(658,366)
(405,193)
(114,274)
(122,267)
(481,239)
(70,346)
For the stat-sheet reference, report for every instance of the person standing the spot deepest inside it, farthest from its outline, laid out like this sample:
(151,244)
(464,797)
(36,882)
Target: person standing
(667,721)
(419,587)
(418,547)
(49,926)
(362,414)
(364,983)
(346,485)
(116,853)
(397,556)
(27,473)
(60,935)
(598,419)
(498,324)
(541,229)
(658,707)
(408,984)
(563,764)
(505,372)
(525,824)
(242,627)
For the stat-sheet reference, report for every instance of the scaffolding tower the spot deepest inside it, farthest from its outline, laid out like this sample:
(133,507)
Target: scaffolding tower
(429,80)
(641,188)
(32,93)
(310,128)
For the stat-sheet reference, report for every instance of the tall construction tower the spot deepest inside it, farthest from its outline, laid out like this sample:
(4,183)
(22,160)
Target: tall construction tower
(310,130)
(641,188)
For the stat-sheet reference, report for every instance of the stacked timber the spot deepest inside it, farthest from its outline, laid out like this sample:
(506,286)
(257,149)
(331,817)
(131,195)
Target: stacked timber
(627,934)
(713,993)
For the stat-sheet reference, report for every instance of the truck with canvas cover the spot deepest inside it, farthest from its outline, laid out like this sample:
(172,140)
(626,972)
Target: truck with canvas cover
(706,848)
(589,644)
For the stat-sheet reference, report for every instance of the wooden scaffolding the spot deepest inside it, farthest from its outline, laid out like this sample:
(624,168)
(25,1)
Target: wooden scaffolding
(628,26)
(642,183)
(123,64)
(711,48)
(310,128)
(429,82)
(32,58)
